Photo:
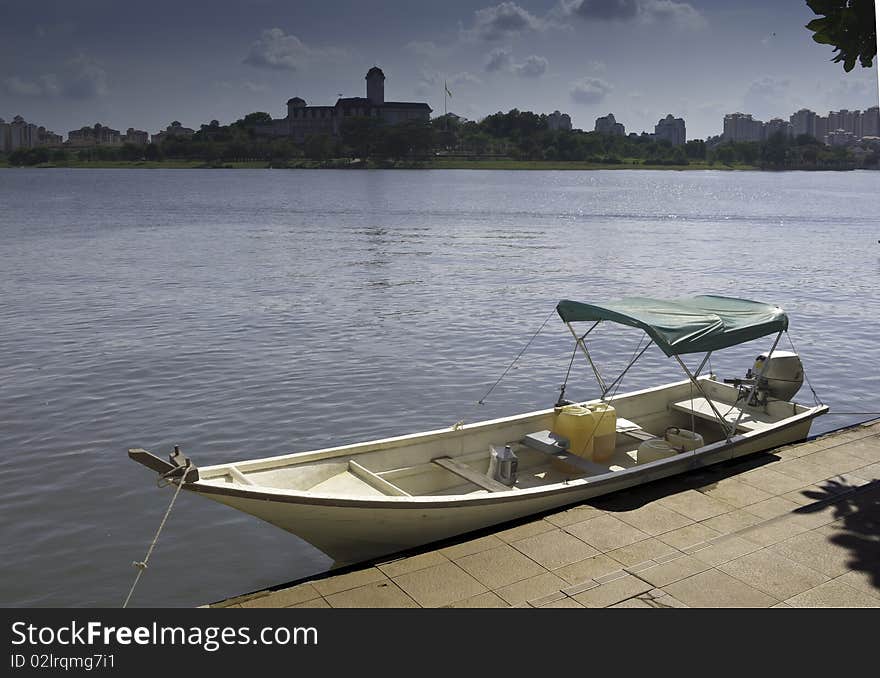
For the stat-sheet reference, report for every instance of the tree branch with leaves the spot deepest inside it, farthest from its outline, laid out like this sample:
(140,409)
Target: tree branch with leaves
(849,26)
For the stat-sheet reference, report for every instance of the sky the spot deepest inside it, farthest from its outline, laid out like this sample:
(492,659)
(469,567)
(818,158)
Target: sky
(69,63)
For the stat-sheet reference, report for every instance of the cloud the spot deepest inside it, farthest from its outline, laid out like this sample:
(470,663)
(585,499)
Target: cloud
(427,49)
(279,51)
(87,79)
(679,14)
(431,82)
(853,92)
(54,30)
(82,77)
(503,21)
(248,85)
(768,97)
(533,67)
(589,90)
(499,59)
(464,78)
(17,86)
(604,10)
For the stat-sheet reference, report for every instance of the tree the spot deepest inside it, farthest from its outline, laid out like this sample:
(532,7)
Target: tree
(849,26)
(318,147)
(696,149)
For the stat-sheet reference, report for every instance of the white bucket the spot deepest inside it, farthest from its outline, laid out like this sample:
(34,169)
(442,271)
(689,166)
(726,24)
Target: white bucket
(683,440)
(654,449)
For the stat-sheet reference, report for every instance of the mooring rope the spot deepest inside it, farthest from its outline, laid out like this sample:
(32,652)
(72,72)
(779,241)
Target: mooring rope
(460,422)
(816,398)
(142,565)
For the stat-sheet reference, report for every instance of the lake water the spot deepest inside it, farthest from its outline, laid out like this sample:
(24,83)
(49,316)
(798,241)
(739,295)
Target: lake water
(252,313)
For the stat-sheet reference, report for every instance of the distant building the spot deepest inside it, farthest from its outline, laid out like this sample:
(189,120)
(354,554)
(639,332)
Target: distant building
(871,122)
(608,125)
(97,135)
(848,121)
(136,136)
(741,127)
(803,122)
(821,129)
(840,137)
(303,120)
(671,129)
(175,129)
(21,134)
(557,121)
(775,126)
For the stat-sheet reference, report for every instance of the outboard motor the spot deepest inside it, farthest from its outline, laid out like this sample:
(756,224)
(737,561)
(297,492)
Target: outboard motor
(783,376)
(782,379)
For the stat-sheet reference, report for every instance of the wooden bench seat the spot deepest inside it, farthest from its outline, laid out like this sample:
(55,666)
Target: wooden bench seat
(560,456)
(749,421)
(633,430)
(466,472)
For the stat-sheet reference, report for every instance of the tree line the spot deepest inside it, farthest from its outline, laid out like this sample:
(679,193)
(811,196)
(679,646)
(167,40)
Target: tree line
(517,135)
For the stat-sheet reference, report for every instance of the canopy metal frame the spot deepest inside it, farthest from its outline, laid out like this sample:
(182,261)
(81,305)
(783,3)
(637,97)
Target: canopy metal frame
(727,428)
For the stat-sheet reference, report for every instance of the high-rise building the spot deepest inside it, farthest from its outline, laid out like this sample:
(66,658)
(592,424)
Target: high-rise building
(871,122)
(775,126)
(671,129)
(803,122)
(741,127)
(848,121)
(821,128)
(136,136)
(557,120)
(4,136)
(608,125)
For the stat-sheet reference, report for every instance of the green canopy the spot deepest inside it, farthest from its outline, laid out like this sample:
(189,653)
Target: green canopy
(704,323)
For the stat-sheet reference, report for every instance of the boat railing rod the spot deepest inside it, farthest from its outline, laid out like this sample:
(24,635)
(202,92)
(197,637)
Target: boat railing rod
(626,369)
(754,388)
(703,364)
(721,420)
(580,342)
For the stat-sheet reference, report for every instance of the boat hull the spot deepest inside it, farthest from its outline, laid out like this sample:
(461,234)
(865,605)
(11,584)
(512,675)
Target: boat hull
(356,529)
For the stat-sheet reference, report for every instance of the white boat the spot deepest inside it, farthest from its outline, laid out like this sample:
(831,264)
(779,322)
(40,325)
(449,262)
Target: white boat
(357,502)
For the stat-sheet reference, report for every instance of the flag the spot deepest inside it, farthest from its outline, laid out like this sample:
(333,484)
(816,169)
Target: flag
(447,89)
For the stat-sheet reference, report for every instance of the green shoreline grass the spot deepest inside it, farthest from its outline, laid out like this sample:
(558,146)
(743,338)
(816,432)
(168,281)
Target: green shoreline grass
(438,164)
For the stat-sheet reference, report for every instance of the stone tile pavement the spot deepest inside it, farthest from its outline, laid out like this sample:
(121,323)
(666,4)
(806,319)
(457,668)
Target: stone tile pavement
(796,527)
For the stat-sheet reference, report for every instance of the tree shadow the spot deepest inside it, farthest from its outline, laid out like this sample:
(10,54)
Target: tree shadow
(856,508)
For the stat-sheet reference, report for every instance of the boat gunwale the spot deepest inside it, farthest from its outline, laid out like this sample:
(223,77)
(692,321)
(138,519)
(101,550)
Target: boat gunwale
(295,458)
(695,459)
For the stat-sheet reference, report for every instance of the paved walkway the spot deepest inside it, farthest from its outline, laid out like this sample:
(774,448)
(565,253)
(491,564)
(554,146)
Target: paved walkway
(798,527)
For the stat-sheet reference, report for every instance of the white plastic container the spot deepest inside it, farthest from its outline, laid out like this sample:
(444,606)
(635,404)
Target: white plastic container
(654,449)
(683,440)
(502,465)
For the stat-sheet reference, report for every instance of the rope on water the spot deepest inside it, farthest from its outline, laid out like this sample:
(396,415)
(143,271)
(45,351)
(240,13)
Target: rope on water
(142,564)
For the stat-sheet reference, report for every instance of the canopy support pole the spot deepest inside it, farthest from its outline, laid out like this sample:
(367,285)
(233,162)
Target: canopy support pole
(758,378)
(632,362)
(703,364)
(580,342)
(705,395)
